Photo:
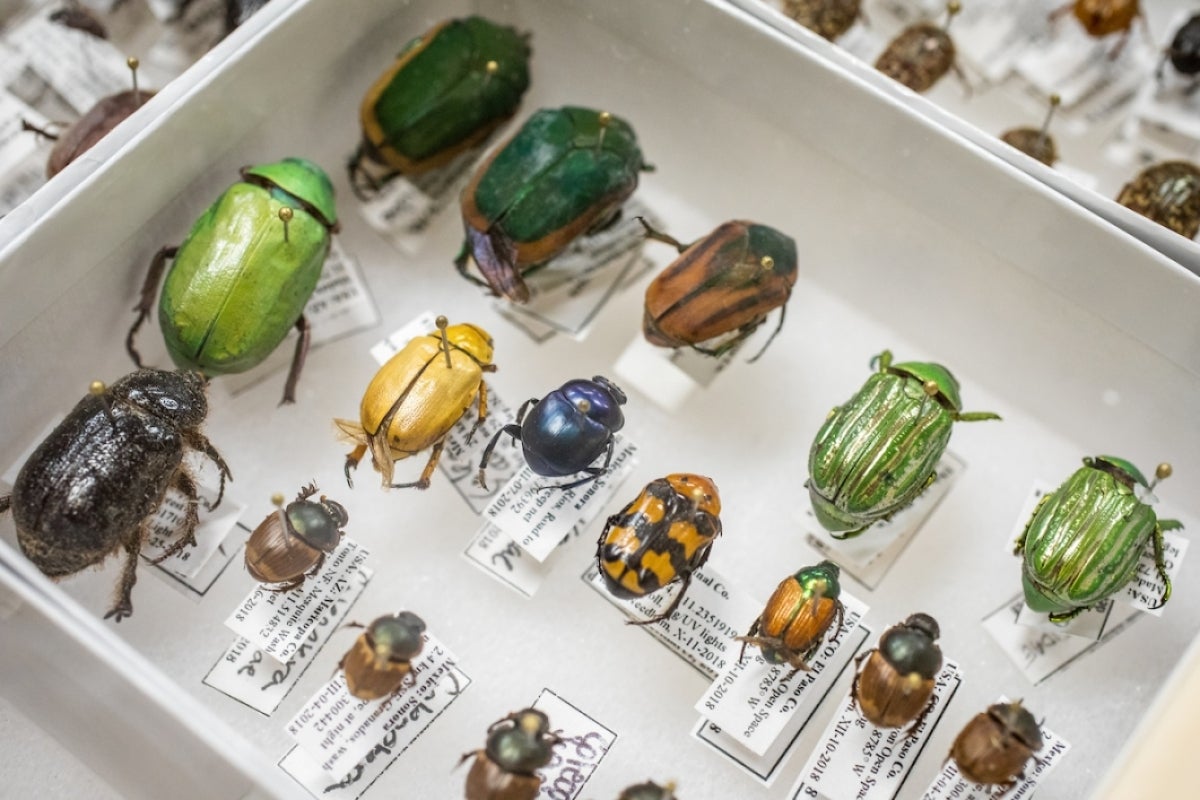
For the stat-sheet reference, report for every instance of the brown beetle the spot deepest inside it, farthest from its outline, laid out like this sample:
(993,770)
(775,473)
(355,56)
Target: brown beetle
(994,746)
(723,285)
(649,791)
(79,17)
(292,543)
(895,686)
(93,126)
(506,768)
(827,18)
(1103,17)
(800,611)
(381,657)
(921,54)
(1036,142)
(1168,193)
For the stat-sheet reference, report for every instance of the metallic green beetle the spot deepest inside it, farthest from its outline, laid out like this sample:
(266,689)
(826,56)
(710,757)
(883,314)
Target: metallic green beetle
(565,173)
(1085,539)
(878,452)
(446,92)
(243,275)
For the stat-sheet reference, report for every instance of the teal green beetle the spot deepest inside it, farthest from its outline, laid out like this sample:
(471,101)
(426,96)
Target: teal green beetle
(878,452)
(446,92)
(565,173)
(1085,538)
(243,275)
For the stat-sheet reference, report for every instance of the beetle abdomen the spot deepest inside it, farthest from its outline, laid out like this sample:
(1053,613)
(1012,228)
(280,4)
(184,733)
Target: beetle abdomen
(274,554)
(429,402)
(1085,542)
(566,438)
(876,453)
(237,287)
(368,678)
(488,781)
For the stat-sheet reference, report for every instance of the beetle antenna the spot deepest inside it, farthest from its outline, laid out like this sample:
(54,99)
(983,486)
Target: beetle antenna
(604,120)
(1055,100)
(133,65)
(1161,473)
(285,216)
(952,8)
(441,323)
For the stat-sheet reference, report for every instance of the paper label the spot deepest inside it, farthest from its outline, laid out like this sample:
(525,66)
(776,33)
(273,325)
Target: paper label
(585,742)
(856,759)
(354,783)
(870,555)
(167,523)
(404,207)
(81,68)
(668,376)
(538,519)
(494,552)
(701,630)
(763,769)
(758,703)
(250,676)
(949,785)
(21,154)
(279,622)
(338,730)
(569,291)
(1078,67)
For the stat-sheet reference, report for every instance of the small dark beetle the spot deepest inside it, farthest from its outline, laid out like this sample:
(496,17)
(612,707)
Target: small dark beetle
(506,768)
(381,657)
(895,686)
(921,54)
(723,285)
(1169,194)
(1184,53)
(93,126)
(292,543)
(77,16)
(827,18)
(565,431)
(800,611)
(663,536)
(649,791)
(1036,142)
(994,746)
(92,486)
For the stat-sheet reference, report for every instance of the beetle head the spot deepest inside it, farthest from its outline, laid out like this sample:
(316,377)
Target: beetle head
(929,373)
(925,624)
(396,637)
(699,489)
(522,742)
(1018,723)
(822,578)
(599,399)
(304,181)
(174,396)
(1121,469)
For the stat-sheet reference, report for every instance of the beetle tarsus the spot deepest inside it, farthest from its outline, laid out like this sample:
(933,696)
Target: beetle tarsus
(146,302)
(124,605)
(31,128)
(774,333)
(199,441)
(298,358)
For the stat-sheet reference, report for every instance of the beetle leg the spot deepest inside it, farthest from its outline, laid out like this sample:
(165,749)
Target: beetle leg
(841,616)
(146,302)
(774,333)
(750,634)
(483,411)
(307,492)
(123,606)
(666,614)
(362,183)
(29,126)
(883,360)
(183,483)
(5,503)
(657,235)
(1158,565)
(200,442)
(460,263)
(427,473)
(513,431)
(352,459)
(528,404)
(302,343)
(593,473)
(1067,616)
(287,587)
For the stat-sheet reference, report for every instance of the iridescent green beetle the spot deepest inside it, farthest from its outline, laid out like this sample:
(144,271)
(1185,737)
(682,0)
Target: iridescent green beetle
(1085,538)
(243,275)
(565,173)
(446,92)
(878,452)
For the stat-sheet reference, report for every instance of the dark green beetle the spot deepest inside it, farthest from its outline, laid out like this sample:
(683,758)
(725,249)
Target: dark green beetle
(566,172)
(243,275)
(446,92)
(878,452)
(1085,538)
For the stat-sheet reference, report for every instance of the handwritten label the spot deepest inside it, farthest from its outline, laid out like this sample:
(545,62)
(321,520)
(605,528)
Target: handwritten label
(538,519)
(569,291)
(249,675)
(757,703)
(585,742)
(950,785)
(872,553)
(404,207)
(279,622)
(338,730)
(856,759)
(494,552)
(668,377)
(167,523)
(701,630)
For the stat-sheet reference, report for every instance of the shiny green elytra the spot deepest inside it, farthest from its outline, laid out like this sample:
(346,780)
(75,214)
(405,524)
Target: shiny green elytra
(1085,538)
(566,172)
(876,453)
(446,92)
(243,275)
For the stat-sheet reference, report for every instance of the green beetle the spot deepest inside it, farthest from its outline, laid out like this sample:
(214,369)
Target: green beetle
(878,452)
(446,92)
(565,173)
(243,275)
(1085,538)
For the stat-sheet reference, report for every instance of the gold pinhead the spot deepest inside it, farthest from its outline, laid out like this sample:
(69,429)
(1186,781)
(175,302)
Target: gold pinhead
(930,388)
(767,262)
(133,63)
(1055,99)
(492,67)
(285,216)
(584,405)
(96,387)
(1163,471)
(953,7)
(441,322)
(277,499)
(605,119)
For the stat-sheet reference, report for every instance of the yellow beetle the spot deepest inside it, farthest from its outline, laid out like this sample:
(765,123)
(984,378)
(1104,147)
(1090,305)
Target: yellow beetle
(417,397)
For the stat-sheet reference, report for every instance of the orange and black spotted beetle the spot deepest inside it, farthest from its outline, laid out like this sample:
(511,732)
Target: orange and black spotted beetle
(663,536)
(895,687)
(800,611)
